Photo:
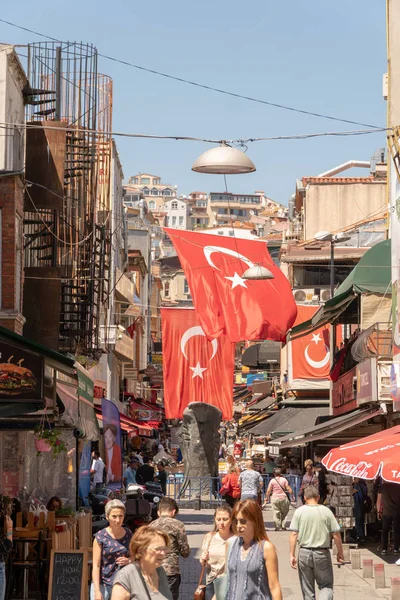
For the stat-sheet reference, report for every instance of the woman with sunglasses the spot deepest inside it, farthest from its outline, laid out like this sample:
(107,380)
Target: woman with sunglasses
(144,578)
(252,563)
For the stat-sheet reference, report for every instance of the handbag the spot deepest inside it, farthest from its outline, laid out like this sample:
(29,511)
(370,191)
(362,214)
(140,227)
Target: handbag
(201,588)
(225,488)
(283,489)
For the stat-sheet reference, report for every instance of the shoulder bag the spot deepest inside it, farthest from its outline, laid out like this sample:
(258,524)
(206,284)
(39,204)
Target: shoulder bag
(201,588)
(283,489)
(142,579)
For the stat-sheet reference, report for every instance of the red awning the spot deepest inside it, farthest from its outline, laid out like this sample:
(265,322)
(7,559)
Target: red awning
(127,424)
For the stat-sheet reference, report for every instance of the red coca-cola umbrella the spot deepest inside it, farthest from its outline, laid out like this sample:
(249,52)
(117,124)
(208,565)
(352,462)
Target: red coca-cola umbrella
(368,457)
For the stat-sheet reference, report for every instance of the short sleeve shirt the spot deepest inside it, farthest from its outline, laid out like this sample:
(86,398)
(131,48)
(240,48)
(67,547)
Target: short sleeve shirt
(111,549)
(278,486)
(250,482)
(314,524)
(130,476)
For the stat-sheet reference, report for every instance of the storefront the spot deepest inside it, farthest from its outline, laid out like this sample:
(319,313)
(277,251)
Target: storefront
(41,391)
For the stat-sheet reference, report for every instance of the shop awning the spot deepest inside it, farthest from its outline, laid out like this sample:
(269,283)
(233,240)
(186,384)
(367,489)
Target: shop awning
(264,353)
(330,428)
(262,403)
(372,275)
(128,424)
(287,420)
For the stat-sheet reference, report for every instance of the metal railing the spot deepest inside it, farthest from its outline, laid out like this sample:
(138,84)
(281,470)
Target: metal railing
(207,489)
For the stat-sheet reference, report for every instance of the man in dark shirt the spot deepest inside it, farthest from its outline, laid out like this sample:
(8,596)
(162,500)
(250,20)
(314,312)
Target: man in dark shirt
(388,508)
(162,477)
(145,472)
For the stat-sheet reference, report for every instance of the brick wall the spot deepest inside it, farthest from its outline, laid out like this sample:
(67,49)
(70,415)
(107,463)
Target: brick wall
(11,205)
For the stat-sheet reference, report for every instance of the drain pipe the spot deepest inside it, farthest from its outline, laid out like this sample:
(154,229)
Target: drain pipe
(364,164)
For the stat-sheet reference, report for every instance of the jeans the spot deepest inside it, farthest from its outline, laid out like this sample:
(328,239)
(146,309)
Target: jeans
(248,497)
(104,589)
(280,509)
(209,591)
(387,522)
(2,580)
(315,566)
(174,581)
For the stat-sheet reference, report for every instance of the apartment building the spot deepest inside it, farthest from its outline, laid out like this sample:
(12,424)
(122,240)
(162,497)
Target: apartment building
(239,207)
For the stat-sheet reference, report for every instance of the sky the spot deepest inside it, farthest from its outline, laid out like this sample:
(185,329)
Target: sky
(325,56)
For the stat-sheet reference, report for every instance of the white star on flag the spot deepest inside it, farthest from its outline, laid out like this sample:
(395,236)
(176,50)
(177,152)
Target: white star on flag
(316,338)
(237,280)
(197,371)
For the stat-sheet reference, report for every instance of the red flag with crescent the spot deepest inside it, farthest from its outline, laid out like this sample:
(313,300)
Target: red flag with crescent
(311,352)
(225,302)
(195,368)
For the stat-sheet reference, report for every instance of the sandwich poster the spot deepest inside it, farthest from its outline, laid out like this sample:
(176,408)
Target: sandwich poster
(21,374)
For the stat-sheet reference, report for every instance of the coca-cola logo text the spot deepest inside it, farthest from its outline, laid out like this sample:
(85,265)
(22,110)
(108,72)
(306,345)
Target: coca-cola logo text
(359,470)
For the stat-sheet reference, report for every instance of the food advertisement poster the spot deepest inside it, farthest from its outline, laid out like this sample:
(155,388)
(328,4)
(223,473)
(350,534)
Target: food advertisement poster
(21,374)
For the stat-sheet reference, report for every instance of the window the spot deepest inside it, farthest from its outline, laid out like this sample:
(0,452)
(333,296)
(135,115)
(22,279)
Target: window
(136,180)
(173,221)
(152,205)
(174,206)
(154,192)
(145,180)
(167,192)
(201,204)
(146,191)
(128,198)
(156,181)
(186,288)
(166,289)
(181,221)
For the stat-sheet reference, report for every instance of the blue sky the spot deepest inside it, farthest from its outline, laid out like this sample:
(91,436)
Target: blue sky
(318,55)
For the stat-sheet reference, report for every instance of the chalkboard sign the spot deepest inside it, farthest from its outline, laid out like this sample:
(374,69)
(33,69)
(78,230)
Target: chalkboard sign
(68,575)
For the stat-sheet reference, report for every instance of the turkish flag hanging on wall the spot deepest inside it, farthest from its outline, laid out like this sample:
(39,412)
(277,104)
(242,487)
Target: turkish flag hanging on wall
(224,302)
(311,353)
(195,369)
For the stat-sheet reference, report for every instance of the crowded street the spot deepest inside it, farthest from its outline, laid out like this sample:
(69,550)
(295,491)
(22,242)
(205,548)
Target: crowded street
(200,300)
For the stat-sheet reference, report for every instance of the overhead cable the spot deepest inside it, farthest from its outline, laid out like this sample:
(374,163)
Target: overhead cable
(204,86)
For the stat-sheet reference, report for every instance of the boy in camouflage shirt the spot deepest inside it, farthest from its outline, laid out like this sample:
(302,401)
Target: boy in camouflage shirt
(167,511)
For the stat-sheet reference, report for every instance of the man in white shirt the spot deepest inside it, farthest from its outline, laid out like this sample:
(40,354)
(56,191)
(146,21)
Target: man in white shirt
(97,469)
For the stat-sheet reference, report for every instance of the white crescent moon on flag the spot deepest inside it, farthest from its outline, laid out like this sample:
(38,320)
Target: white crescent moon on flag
(192,332)
(209,250)
(317,364)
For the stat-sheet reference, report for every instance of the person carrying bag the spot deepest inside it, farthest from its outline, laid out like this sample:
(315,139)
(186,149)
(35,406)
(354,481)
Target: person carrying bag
(281,494)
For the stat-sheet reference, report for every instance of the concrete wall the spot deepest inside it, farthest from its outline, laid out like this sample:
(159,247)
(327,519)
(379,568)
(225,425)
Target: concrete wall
(331,207)
(12,81)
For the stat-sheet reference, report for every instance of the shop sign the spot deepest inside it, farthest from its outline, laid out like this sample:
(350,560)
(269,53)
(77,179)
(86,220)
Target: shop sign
(85,387)
(344,396)
(157,359)
(367,386)
(21,374)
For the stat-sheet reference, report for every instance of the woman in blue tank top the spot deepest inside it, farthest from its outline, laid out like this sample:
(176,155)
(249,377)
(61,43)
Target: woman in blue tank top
(252,563)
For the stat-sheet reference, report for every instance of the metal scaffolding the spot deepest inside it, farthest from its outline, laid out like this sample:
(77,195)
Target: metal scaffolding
(66,89)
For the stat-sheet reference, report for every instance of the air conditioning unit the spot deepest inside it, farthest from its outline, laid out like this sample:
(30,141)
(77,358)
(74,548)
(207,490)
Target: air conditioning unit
(325,295)
(305,296)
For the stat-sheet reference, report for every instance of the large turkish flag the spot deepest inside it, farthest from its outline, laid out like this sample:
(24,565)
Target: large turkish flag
(311,353)
(224,302)
(195,369)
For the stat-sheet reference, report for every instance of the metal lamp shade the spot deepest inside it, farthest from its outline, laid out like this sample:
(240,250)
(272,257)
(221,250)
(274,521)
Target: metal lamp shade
(257,272)
(223,160)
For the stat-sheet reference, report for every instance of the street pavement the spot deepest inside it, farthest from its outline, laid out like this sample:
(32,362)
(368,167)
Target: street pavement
(349,585)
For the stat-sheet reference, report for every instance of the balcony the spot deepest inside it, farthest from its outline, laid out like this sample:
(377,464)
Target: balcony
(124,288)
(124,349)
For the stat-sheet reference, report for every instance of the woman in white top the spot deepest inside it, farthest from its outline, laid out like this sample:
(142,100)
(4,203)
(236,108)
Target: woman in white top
(279,489)
(214,547)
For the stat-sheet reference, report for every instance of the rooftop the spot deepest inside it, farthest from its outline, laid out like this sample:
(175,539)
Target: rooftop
(340,180)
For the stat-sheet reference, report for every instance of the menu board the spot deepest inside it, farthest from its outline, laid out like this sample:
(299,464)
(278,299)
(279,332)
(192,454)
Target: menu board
(68,575)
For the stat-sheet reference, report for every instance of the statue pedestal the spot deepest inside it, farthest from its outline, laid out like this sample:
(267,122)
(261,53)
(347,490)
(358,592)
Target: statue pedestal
(200,442)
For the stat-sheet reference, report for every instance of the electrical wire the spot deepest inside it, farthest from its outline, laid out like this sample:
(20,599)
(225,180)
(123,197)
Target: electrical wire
(203,86)
(185,138)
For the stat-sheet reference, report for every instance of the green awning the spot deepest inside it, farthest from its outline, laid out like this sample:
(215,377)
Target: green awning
(372,275)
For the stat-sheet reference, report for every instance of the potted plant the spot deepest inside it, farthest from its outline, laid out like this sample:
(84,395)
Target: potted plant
(48,440)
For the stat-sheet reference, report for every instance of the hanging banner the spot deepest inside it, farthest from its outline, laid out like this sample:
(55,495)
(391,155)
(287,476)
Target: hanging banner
(310,353)
(195,369)
(113,443)
(84,473)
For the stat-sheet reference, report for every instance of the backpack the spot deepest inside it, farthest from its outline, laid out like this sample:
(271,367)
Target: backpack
(367,504)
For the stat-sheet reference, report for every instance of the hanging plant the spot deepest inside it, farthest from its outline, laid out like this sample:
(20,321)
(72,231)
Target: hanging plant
(48,440)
